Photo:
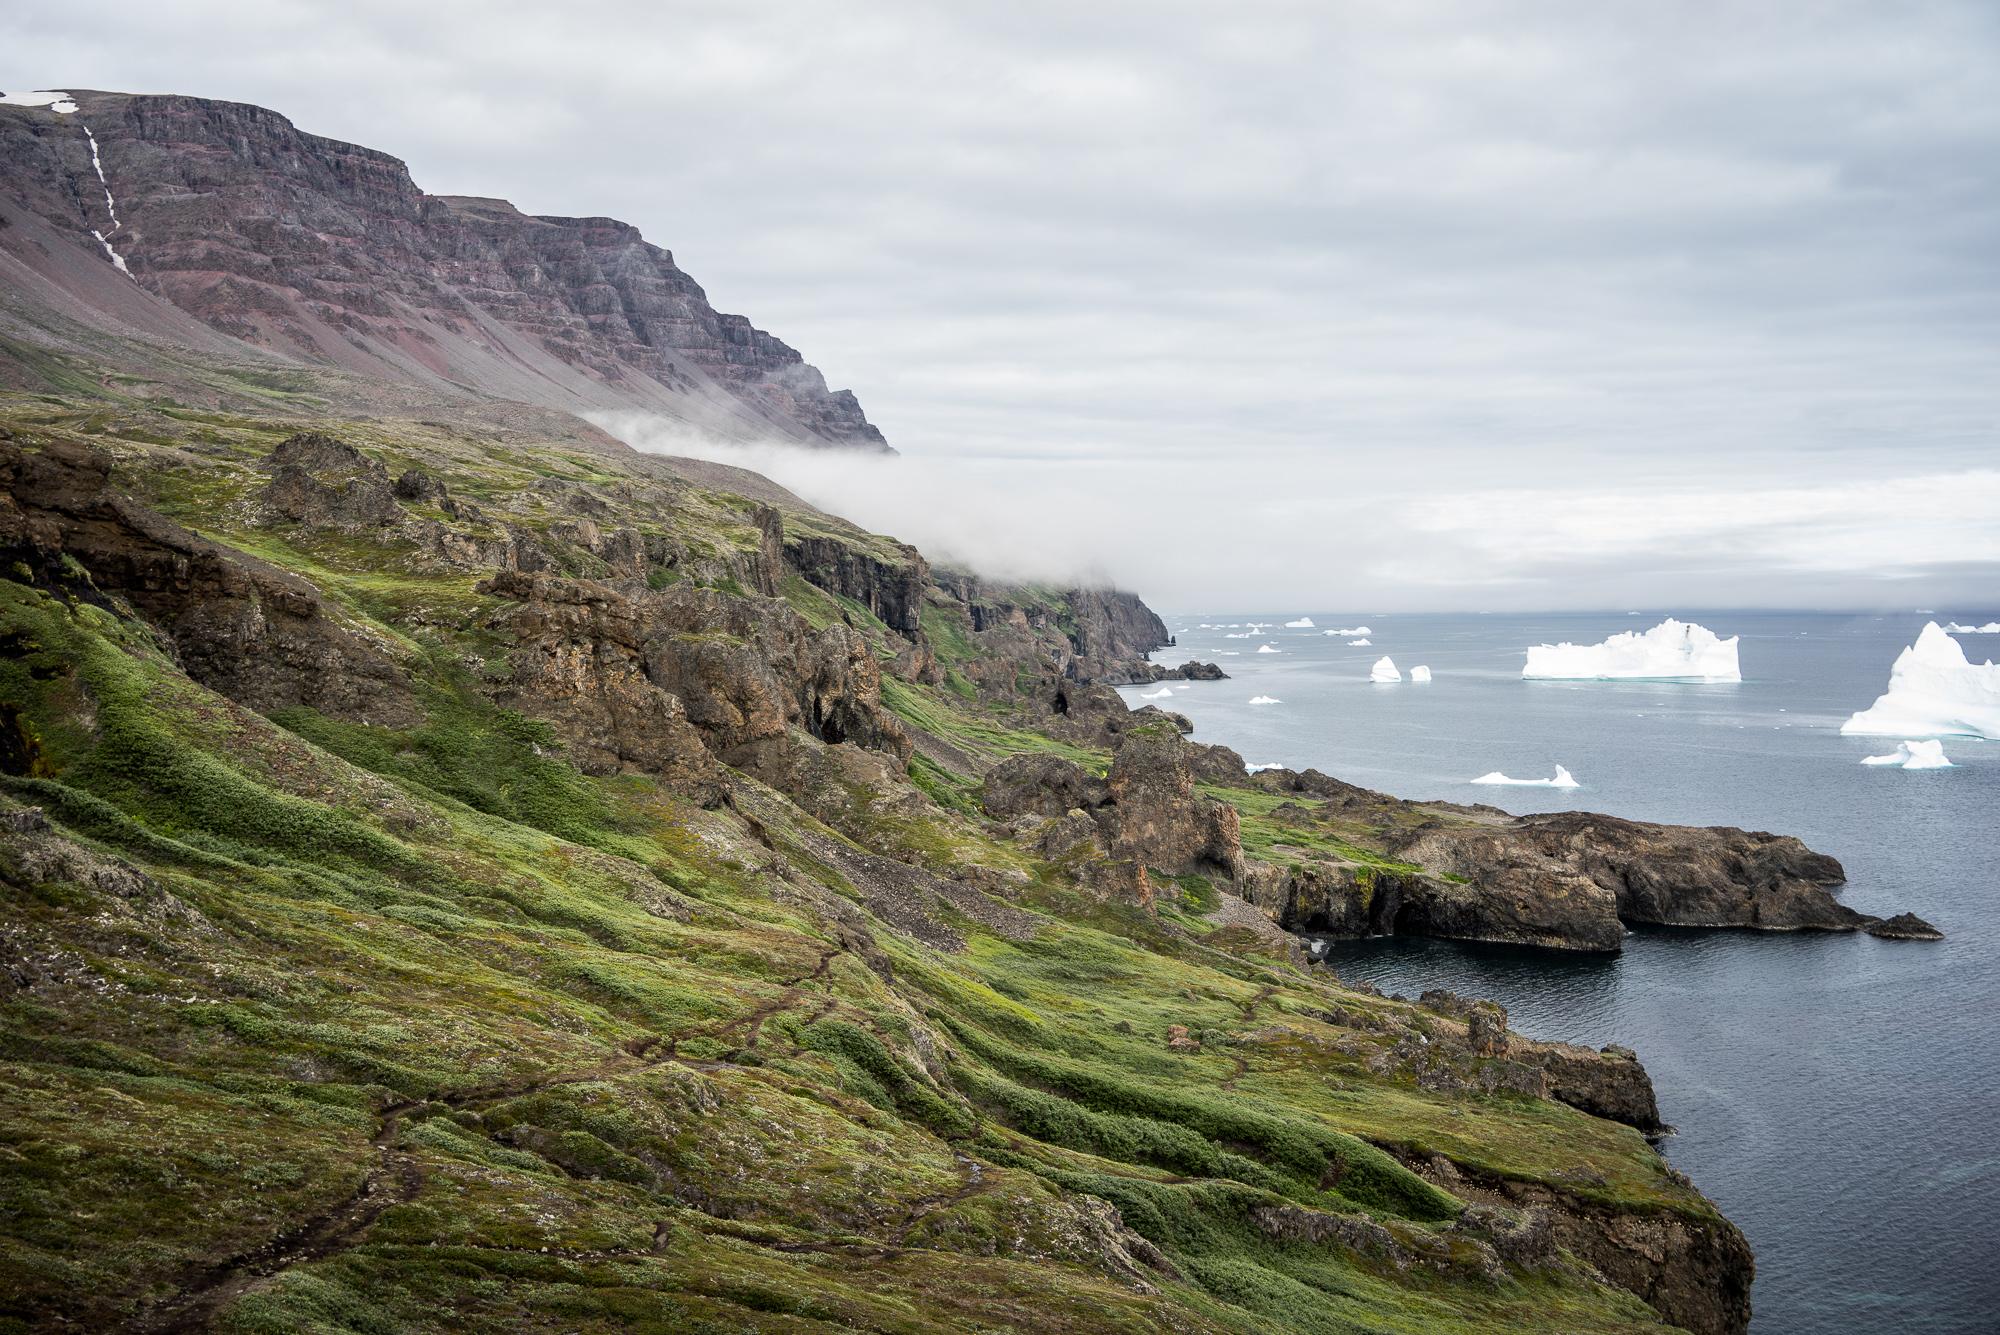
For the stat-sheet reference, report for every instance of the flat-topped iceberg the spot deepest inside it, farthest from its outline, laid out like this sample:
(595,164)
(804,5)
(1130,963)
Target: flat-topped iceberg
(1349,630)
(1420,673)
(1913,755)
(1303,623)
(1384,670)
(1563,779)
(1934,691)
(1990,628)
(1671,651)
(1265,700)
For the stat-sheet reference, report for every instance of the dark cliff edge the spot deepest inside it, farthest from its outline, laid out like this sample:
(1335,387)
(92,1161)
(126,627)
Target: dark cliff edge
(328,254)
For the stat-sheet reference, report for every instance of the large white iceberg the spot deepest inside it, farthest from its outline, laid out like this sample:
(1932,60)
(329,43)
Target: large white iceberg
(1671,651)
(1420,673)
(1303,623)
(1913,755)
(1563,779)
(1384,670)
(1990,628)
(1934,690)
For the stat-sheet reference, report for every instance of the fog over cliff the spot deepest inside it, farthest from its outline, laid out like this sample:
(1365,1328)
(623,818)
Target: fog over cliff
(1443,304)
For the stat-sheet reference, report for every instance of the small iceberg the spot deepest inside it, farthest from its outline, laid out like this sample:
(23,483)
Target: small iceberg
(1384,670)
(1420,673)
(1990,628)
(1265,700)
(1349,630)
(1165,692)
(1269,649)
(1563,779)
(1303,623)
(1671,651)
(1934,690)
(1259,769)
(1913,755)
(1363,642)
(1237,635)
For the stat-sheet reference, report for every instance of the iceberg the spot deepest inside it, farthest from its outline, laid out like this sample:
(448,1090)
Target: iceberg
(1349,630)
(1269,649)
(1913,755)
(1671,651)
(1259,769)
(1360,643)
(1303,623)
(1420,673)
(1934,690)
(1265,700)
(1165,692)
(1563,779)
(1990,628)
(1384,670)
(1237,635)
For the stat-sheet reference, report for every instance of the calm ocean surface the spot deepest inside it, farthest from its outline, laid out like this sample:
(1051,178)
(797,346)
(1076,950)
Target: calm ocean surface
(1836,1095)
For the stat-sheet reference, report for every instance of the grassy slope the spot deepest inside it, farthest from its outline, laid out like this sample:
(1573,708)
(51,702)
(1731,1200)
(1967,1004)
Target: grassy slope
(523,1048)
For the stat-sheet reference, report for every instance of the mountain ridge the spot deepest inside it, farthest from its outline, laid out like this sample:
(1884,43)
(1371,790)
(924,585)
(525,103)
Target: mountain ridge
(328,253)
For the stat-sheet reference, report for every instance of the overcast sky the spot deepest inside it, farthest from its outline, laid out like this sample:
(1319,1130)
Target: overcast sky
(1338,306)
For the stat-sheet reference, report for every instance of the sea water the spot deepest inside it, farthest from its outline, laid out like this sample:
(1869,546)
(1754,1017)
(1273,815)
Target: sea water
(1838,1096)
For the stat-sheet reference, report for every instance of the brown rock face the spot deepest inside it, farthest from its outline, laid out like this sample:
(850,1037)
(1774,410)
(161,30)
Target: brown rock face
(259,635)
(328,252)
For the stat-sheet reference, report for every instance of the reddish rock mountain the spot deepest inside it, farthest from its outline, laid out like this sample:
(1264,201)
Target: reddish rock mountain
(327,253)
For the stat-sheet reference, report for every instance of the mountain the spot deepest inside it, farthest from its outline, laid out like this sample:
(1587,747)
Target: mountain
(458,873)
(327,254)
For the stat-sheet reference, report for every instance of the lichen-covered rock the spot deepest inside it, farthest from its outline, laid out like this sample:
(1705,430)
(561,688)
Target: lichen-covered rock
(319,480)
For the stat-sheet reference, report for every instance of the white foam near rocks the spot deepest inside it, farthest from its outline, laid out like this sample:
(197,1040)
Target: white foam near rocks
(1671,651)
(1384,670)
(1269,649)
(1934,691)
(1563,779)
(1913,755)
(60,103)
(1303,623)
(1265,700)
(1420,673)
(1990,628)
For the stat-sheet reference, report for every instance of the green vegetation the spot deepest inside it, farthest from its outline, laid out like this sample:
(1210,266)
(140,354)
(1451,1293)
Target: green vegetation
(500,1045)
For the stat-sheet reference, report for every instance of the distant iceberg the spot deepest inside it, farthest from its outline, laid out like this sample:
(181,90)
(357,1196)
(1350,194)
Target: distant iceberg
(1265,700)
(1259,769)
(1269,649)
(1563,779)
(1163,693)
(1384,670)
(1303,623)
(1990,628)
(1420,673)
(1913,755)
(1671,651)
(1349,630)
(1934,690)
(1363,642)
(1236,635)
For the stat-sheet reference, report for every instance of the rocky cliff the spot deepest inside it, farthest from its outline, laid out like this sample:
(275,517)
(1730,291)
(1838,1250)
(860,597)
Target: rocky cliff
(328,253)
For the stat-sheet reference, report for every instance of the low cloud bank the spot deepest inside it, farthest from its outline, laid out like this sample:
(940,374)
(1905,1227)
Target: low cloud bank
(1322,530)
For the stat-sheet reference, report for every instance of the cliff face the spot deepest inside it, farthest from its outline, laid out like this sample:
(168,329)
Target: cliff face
(328,252)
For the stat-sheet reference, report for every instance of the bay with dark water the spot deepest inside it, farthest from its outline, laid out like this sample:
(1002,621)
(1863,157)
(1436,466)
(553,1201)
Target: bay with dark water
(1838,1096)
